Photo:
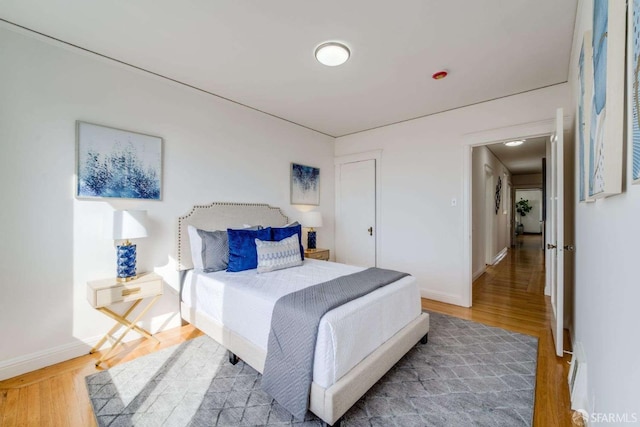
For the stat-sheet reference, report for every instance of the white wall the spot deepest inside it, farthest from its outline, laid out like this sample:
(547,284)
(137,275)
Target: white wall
(424,164)
(607,289)
(482,156)
(52,243)
(531,221)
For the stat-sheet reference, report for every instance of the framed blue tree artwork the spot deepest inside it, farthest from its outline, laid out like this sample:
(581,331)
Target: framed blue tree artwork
(114,163)
(305,185)
(633,87)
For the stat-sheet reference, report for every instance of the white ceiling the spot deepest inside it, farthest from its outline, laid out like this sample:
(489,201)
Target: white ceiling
(523,159)
(260,53)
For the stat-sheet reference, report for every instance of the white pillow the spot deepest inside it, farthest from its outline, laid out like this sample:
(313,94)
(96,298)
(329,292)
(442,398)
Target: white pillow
(195,243)
(278,255)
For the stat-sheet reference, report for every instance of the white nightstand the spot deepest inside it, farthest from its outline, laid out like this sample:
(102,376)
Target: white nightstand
(106,292)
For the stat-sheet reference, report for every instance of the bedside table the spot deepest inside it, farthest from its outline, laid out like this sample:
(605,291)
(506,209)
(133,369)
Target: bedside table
(318,253)
(106,292)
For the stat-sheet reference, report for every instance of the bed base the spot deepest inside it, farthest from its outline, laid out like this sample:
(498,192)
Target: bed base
(329,404)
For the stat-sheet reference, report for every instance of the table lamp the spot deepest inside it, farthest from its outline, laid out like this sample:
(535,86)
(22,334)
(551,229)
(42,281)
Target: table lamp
(127,225)
(311,219)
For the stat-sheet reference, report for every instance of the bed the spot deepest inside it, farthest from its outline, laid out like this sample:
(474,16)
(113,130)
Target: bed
(357,342)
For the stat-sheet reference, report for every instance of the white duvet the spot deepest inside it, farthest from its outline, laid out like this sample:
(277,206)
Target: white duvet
(244,301)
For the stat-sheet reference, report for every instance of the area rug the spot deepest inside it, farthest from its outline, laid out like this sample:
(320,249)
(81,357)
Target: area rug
(467,374)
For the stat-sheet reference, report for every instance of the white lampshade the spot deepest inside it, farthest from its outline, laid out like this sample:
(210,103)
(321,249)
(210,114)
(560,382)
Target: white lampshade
(312,219)
(127,225)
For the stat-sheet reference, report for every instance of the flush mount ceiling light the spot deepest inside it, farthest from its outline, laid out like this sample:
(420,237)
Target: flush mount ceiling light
(332,54)
(514,143)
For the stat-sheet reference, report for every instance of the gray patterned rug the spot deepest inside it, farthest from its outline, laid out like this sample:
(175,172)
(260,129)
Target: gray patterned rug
(468,374)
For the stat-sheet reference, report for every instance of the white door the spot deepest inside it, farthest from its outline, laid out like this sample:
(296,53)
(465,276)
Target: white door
(356,213)
(555,233)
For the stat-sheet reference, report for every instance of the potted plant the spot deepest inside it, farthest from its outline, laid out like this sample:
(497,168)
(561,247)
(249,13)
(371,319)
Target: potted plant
(523,208)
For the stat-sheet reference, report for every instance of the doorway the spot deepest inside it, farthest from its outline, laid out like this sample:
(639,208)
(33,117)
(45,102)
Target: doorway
(502,175)
(358,226)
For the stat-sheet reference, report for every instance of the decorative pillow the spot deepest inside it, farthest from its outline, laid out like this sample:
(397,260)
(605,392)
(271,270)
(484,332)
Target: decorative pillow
(242,248)
(215,250)
(195,243)
(278,255)
(288,231)
(197,248)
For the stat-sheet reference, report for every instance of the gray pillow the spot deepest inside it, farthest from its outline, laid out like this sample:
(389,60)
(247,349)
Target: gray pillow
(215,250)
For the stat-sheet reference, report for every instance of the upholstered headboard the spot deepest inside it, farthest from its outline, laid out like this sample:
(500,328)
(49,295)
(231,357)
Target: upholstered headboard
(220,216)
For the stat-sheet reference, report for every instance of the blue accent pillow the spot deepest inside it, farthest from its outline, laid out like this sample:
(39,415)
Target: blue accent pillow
(242,248)
(278,234)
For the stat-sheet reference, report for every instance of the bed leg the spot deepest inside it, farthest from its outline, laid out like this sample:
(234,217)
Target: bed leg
(233,359)
(336,424)
(424,339)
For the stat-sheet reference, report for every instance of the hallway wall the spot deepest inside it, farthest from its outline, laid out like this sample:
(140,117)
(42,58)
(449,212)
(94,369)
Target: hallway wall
(607,290)
(482,156)
(533,180)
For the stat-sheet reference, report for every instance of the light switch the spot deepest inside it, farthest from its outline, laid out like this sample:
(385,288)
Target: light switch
(454,202)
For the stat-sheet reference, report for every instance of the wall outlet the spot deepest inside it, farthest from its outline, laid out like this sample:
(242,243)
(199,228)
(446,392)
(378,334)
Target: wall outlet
(454,202)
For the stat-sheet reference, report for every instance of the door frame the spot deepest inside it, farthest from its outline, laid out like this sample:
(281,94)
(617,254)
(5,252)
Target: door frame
(375,155)
(477,139)
(489,203)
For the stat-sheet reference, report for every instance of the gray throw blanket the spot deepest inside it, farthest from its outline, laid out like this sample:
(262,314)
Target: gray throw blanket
(288,369)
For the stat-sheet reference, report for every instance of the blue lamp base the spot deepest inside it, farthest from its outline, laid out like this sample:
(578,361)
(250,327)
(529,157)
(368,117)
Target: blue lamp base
(126,262)
(311,240)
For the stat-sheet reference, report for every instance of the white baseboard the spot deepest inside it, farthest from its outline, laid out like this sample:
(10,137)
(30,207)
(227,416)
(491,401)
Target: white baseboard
(41,359)
(443,297)
(499,256)
(578,391)
(479,273)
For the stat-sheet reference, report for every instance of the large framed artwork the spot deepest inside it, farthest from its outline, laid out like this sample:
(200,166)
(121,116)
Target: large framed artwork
(607,104)
(114,163)
(305,185)
(633,88)
(585,81)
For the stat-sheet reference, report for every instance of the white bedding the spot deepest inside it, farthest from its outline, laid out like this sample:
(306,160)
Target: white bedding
(244,301)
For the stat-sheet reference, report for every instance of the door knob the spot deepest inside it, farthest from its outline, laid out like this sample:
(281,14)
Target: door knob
(550,246)
(370,230)
(569,248)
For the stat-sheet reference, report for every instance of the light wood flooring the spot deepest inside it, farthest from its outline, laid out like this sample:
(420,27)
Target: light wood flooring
(508,295)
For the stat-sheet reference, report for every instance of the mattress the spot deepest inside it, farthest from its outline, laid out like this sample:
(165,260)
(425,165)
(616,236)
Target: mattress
(244,302)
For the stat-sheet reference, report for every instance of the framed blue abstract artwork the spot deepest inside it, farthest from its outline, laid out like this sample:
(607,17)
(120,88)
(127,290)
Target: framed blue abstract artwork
(114,163)
(305,185)
(633,87)
(607,103)
(585,82)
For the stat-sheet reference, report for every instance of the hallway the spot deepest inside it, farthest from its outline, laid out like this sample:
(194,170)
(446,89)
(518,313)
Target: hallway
(510,295)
